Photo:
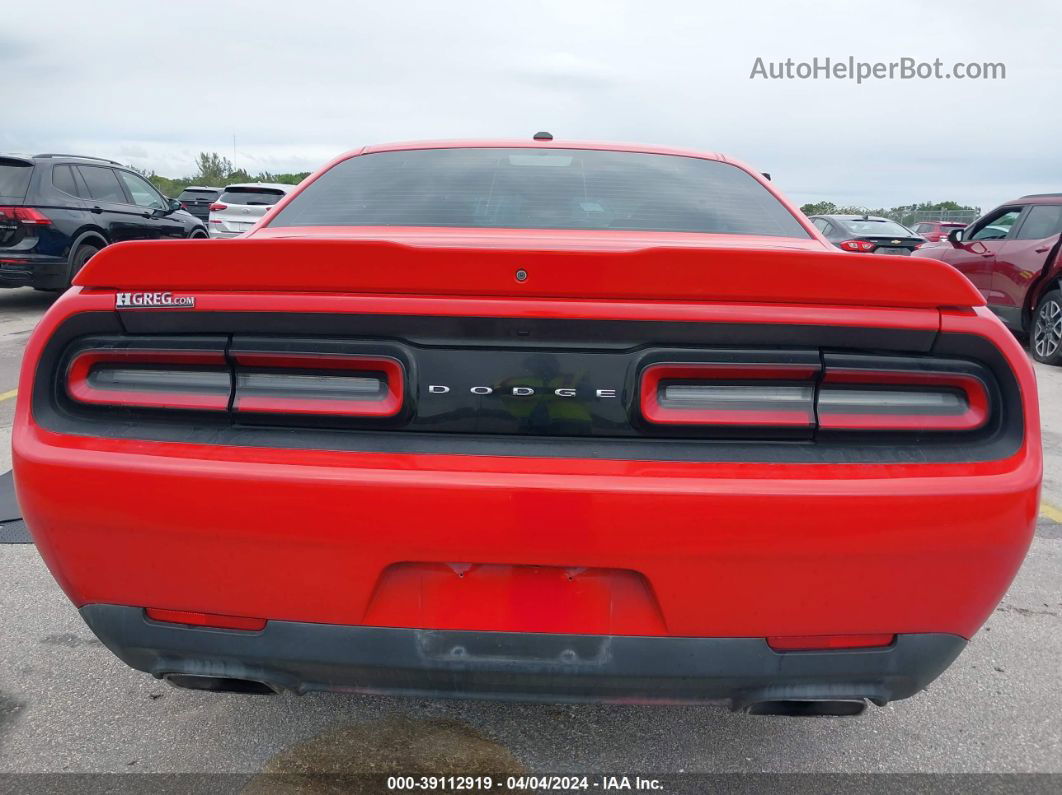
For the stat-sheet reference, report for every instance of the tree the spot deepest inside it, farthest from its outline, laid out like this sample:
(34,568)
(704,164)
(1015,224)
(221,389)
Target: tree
(213,169)
(819,208)
(907,214)
(217,171)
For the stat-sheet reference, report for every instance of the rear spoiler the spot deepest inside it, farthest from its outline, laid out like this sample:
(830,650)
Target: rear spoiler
(654,274)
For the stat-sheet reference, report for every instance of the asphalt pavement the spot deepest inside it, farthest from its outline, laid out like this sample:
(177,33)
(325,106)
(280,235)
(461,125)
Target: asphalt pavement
(67,704)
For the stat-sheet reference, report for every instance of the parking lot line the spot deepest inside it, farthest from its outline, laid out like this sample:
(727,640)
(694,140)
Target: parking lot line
(1051,512)
(8,395)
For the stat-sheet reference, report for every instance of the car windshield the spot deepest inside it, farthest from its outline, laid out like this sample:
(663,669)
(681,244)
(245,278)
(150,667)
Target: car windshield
(251,196)
(872,227)
(541,189)
(14,180)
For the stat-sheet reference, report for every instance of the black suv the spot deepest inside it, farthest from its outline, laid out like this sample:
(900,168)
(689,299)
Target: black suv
(56,211)
(197,199)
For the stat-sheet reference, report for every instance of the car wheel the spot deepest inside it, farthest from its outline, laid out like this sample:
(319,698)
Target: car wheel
(1045,341)
(83,254)
(198,234)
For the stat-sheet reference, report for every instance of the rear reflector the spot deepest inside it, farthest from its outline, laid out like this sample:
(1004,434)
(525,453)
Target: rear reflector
(729,394)
(213,620)
(828,642)
(153,379)
(318,384)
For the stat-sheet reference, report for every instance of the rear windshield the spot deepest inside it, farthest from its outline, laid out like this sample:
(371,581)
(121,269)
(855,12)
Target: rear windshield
(14,180)
(198,193)
(871,227)
(259,196)
(540,189)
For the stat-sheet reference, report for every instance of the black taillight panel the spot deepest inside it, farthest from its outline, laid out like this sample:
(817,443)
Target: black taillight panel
(435,388)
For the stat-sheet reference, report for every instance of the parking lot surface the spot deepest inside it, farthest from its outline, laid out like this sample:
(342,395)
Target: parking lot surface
(67,704)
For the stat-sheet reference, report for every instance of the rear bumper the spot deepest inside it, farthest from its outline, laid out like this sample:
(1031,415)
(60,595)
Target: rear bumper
(524,545)
(221,234)
(296,656)
(32,270)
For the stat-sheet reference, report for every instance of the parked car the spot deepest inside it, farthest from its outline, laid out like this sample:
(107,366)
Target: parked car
(57,211)
(936,231)
(241,206)
(867,234)
(197,199)
(1011,256)
(519,418)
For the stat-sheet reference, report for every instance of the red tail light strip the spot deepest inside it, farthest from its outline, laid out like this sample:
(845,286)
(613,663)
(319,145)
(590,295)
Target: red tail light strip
(161,386)
(828,642)
(909,401)
(728,400)
(212,620)
(353,386)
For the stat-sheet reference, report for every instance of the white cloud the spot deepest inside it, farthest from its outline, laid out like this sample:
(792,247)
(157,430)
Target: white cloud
(153,84)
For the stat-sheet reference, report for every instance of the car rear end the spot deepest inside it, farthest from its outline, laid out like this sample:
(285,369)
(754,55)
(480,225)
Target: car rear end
(33,248)
(240,207)
(551,464)
(879,236)
(197,201)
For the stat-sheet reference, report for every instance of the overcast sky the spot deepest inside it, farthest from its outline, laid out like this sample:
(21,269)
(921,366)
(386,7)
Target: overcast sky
(151,83)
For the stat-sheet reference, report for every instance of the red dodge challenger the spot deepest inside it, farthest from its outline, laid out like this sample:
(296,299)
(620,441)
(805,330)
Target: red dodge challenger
(530,419)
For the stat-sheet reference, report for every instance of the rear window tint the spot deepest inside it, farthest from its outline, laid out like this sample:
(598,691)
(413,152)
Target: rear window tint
(252,196)
(872,228)
(14,180)
(541,189)
(63,179)
(103,184)
(199,194)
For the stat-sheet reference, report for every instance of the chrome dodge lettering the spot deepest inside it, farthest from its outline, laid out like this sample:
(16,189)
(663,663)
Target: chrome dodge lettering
(522,391)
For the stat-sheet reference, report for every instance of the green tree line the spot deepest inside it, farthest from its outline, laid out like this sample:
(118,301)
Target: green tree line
(907,214)
(216,171)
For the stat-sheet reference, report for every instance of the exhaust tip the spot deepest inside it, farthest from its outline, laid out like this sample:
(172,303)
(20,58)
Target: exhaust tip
(220,684)
(797,708)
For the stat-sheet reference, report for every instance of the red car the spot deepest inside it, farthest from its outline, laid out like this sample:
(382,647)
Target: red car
(1011,256)
(935,231)
(531,419)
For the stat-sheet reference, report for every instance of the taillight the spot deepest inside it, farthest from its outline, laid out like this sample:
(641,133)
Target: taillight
(150,379)
(745,394)
(349,385)
(869,398)
(30,216)
(829,642)
(857,245)
(218,206)
(837,393)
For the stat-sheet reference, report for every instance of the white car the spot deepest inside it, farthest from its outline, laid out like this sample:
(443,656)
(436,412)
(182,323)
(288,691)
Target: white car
(239,207)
